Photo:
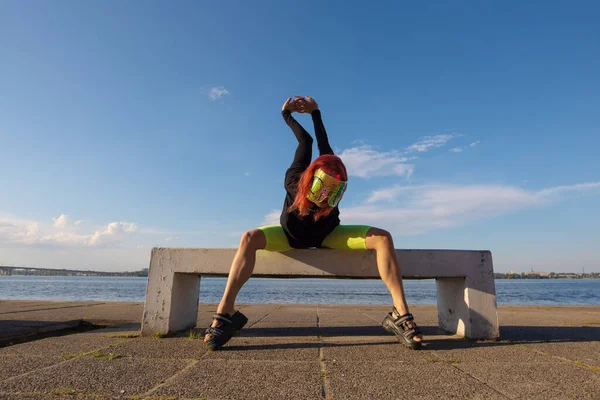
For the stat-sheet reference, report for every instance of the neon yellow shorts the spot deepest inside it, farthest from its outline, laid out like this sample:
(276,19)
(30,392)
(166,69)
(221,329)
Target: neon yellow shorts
(343,237)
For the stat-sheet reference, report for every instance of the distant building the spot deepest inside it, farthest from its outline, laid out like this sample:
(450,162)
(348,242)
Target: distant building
(539,273)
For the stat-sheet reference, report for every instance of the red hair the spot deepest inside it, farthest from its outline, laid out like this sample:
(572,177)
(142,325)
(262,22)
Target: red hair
(332,166)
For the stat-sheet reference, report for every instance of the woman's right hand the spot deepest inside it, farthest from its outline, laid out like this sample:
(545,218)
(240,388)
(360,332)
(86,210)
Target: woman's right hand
(293,105)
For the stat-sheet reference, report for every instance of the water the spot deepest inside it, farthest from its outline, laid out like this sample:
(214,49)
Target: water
(300,291)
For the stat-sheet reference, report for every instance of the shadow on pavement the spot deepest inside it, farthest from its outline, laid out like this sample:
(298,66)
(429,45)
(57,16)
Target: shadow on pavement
(509,335)
(21,331)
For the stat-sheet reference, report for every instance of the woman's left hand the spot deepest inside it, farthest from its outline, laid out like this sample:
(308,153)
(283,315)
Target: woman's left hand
(293,105)
(308,105)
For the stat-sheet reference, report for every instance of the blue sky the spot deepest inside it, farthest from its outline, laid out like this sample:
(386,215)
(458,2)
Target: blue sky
(464,125)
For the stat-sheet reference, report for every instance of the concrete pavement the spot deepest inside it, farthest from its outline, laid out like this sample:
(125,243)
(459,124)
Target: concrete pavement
(294,352)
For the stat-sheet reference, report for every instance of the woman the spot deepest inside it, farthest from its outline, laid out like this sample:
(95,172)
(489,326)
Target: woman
(310,218)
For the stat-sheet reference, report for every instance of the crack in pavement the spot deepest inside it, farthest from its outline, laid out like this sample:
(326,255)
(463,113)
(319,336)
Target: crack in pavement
(472,376)
(325,387)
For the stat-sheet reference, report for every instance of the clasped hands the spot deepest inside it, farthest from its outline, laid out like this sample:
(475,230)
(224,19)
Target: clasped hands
(300,104)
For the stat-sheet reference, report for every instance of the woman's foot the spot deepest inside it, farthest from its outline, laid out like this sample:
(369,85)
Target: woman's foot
(223,328)
(215,322)
(403,326)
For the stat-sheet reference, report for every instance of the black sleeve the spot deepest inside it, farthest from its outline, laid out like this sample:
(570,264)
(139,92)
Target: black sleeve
(321,134)
(303,154)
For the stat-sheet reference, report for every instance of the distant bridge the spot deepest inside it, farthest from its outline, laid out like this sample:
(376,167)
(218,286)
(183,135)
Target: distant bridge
(5,270)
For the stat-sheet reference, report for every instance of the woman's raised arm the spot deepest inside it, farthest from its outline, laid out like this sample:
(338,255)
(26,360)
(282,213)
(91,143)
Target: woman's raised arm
(309,105)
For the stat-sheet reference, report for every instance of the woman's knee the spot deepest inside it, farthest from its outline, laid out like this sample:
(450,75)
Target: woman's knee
(379,238)
(253,239)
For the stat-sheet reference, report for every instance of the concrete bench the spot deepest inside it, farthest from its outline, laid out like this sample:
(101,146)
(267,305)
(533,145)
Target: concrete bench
(466,293)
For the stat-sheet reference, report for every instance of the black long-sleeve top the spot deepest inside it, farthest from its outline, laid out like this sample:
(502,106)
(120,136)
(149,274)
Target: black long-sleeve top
(304,232)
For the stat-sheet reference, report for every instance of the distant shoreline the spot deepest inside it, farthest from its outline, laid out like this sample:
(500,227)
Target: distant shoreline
(551,275)
(144,274)
(28,271)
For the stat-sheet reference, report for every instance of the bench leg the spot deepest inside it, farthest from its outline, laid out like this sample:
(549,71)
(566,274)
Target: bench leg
(467,307)
(171,302)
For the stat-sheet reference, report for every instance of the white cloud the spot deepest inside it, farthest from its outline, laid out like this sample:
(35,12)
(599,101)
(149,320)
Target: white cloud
(456,149)
(217,92)
(409,210)
(113,246)
(363,162)
(60,234)
(247,173)
(62,222)
(554,191)
(113,232)
(474,143)
(33,229)
(271,218)
(390,193)
(64,239)
(414,209)
(429,142)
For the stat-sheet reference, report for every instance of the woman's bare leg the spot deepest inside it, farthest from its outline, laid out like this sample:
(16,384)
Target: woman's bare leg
(241,269)
(389,269)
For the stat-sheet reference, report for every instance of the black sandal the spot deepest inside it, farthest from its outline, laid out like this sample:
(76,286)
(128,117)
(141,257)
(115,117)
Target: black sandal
(226,327)
(398,325)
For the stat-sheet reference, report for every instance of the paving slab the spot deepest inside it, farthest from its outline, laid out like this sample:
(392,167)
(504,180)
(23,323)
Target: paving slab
(586,352)
(357,339)
(32,396)
(269,349)
(90,376)
(236,379)
(15,331)
(549,316)
(13,365)
(486,352)
(119,330)
(399,380)
(62,346)
(537,380)
(306,316)
(544,333)
(374,330)
(256,313)
(148,347)
(280,330)
(9,306)
(337,318)
(92,312)
(388,351)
